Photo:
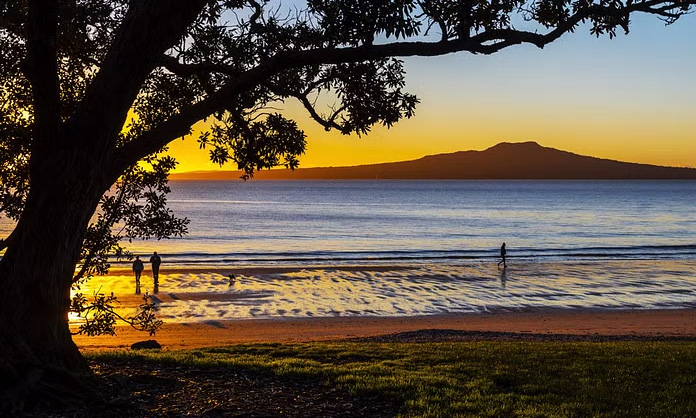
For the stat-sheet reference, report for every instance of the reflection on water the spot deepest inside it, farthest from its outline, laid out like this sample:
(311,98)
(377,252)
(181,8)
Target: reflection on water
(503,277)
(186,296)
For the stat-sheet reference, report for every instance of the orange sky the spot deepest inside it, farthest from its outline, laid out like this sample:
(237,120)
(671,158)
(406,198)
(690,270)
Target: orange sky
(631,99)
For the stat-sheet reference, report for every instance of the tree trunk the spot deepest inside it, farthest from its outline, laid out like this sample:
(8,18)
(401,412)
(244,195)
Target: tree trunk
(38,358)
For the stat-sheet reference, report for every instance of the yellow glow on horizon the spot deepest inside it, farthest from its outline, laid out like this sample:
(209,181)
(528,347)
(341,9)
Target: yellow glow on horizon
(632,136)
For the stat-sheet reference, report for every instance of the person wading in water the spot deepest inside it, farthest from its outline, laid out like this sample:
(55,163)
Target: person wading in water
(503,252)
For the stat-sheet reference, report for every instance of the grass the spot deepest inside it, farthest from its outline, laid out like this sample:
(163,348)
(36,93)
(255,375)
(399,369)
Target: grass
(479,379)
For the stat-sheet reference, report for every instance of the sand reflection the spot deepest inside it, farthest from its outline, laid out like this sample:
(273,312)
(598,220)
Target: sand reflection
(192,296)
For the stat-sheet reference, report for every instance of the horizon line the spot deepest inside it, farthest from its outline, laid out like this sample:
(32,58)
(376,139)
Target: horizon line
(278,169)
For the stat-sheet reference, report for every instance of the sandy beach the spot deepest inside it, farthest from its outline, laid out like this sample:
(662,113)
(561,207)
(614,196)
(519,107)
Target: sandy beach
(645,323)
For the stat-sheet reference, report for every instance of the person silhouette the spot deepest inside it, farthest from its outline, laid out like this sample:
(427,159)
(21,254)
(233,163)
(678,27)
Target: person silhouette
(138,268)
(503,252)
(155,260)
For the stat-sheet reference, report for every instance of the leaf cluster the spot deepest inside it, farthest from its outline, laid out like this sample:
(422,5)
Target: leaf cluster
(100,315)
(355,22)
(136,207)
(254,145)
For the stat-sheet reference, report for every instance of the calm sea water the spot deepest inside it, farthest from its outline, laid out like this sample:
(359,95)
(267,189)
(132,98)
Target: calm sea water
(327,222)
(401,248)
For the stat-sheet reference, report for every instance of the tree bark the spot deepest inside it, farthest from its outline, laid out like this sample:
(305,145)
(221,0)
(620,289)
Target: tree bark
(38,358)
(71,167)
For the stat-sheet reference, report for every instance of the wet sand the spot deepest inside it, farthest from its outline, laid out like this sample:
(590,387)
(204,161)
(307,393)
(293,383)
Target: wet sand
(646,323)
(190,295)
(200,307)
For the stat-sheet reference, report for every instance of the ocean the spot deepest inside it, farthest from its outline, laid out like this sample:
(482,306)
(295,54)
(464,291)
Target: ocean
(236,223)
(404,248)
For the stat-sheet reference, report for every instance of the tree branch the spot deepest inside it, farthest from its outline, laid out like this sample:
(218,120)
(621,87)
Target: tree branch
(328,123)
(187,70)
(487,42)
(149,28)
(4,243)
(103,321)
(41,68)
(108,223)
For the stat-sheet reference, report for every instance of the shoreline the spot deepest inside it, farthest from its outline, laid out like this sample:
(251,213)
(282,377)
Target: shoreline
(208,295)
(658,323)
(354,265)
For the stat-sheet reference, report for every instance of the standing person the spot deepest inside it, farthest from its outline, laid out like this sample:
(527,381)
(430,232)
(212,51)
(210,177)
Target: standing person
(503,252)
(138,268)
(155,260)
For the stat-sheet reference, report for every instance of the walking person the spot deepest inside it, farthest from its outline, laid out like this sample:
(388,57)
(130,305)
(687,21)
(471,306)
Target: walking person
(138,268)
(503,252)
(155,260)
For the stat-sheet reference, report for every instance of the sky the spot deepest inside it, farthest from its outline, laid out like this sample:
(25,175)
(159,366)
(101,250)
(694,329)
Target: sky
(632,98)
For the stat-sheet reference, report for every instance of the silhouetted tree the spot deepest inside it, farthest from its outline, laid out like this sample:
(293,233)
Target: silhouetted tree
(94,90)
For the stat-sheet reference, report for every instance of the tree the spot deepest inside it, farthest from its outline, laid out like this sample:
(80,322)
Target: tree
(94,90)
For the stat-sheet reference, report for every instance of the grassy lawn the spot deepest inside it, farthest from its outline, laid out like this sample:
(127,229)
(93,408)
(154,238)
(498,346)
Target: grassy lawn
(479,379)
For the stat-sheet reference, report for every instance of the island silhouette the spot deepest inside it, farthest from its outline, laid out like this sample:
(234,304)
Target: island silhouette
(523,160)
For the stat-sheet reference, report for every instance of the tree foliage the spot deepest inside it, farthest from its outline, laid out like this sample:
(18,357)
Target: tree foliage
(156,67)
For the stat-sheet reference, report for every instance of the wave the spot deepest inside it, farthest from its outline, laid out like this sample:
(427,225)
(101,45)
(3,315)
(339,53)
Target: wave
(393,256)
